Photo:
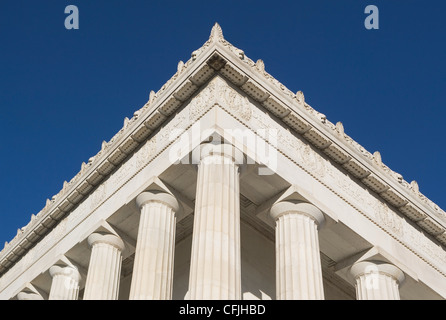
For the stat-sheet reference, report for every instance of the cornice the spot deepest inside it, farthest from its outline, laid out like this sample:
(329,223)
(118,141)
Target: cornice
(219,56)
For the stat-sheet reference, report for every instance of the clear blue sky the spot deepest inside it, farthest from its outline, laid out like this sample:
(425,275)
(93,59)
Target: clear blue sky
(62,92)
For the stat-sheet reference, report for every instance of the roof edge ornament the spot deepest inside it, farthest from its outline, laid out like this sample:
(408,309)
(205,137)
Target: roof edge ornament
(215,36)
(152,95)
(260,65)
(377,158)
(180,66)
(216,33)
(300,97)
(414,186)
(340,128)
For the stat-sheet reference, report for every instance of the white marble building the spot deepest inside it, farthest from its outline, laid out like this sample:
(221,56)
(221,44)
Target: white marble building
(227,185)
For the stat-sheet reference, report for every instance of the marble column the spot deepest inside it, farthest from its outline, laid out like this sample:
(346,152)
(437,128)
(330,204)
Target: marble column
(104,270)
(154,254)
(65,283)
(215,271)
(377,280)
(298,261)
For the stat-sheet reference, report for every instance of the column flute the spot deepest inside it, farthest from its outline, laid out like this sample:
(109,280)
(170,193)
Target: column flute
(215,262)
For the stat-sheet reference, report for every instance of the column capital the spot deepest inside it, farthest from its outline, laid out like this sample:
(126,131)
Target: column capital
(110,239)
(229,152)
(293,206)
(157,196)
(65,271)
(370,267)
(29,296)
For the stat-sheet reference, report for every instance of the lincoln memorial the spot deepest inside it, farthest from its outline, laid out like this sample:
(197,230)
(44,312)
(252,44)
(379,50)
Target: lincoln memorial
(227,185)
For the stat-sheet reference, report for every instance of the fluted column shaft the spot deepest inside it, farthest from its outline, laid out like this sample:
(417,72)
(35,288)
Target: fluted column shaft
(298,262)
(104,270)
(215,262)
(154,255)
(377,280)
(65,283)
